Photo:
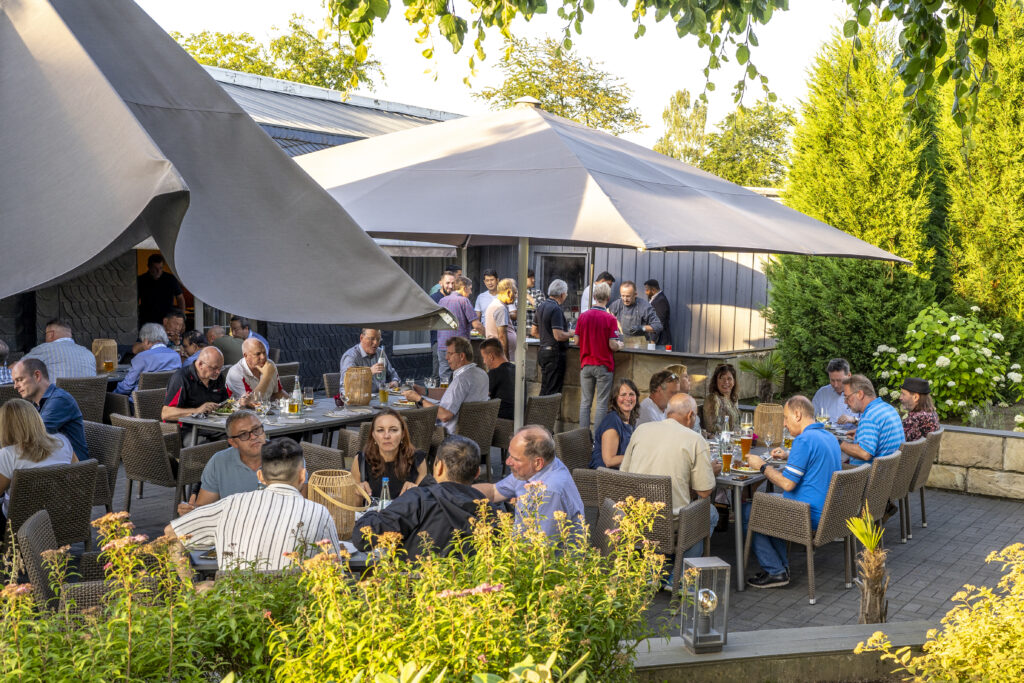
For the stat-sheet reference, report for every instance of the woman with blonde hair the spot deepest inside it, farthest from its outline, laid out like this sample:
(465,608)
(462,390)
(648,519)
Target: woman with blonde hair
(24,443)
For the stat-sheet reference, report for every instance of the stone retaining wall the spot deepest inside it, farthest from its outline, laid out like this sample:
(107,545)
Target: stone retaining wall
(983,461)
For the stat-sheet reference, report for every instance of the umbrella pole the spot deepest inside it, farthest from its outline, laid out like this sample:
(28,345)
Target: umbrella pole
(521,333)
(590,289)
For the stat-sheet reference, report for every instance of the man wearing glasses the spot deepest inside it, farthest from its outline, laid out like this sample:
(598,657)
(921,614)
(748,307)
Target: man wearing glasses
(879,431)
(196,388)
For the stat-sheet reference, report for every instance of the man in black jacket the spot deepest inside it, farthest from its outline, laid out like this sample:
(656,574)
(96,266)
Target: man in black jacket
(656,297)
(438,510)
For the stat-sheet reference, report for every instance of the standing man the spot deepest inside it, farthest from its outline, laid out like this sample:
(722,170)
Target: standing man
(154,357)
(5,372)
(158,292)
(442,289)
(534,296)
(879,430)
(605,277)
(61,355)
(491,292)
(364,355)
(501,376)
(659,302)
(498,316)
(664,385)
(246,375)
(453,269)
(458,305)
(469,383)
(830,398)
(598,332)
(228,345)
(58,408)
(240,329)
(636,317)
(552,329)
(806,477)
(197,387)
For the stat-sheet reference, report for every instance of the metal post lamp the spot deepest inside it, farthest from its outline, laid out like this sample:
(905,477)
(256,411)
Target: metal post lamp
(705,604)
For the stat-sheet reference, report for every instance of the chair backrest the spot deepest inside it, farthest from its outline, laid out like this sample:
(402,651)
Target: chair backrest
(288,369)
(332,383)
(843,501)
(105,443)
(656,488)
(7,392)
(768,420)
(543,411)
(883,475)
(574,448)
(192,460)
(322,458)
(143,454)
(287,382)
(607,520)
(35,536)
(503,430)
(421,423)
(155,380)
(149,403)
(64,491)
(928,459)
(476,422)
(586,483)
(910,459)
(88,392)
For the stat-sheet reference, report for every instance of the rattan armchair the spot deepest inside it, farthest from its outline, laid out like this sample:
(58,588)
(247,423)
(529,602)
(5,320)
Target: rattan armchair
(768,421)
(64,491)
(476,422)
(422,423)
(149,455)
(154,380)
(149,403)
(191,463)
(880,483)
(35,536)
(105,443)
(115,404)
(910,459)
(7,392)
(790,520)
(928,459)
(89,392)
(332,383)
(287,382)
(322,458)
(586,483)
(540,410)
(574,448)
(285,369)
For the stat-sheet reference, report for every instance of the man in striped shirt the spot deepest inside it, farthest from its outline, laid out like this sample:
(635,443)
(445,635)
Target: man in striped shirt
(879,430)
(257,528)
(61,355)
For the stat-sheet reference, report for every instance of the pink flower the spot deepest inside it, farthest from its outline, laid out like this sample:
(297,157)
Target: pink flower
(108,566)
(266,614)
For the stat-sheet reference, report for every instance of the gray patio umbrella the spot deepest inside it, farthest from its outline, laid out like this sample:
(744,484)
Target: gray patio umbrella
(523,174)
(110,131)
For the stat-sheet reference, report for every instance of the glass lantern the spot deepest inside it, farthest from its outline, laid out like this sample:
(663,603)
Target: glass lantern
(705,604)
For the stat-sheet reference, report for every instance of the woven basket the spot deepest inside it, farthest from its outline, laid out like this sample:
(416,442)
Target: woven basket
(358,386)
(338,491)
(105,351)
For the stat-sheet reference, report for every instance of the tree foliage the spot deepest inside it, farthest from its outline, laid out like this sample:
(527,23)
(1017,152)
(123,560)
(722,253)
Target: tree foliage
(566,84)
(752,145)
(321,56)
(684,129)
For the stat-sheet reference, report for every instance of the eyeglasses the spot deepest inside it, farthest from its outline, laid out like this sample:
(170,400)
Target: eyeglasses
(213,368)
(252,433)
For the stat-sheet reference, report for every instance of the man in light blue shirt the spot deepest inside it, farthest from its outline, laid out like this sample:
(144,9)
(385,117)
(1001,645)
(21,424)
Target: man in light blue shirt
(830,400)
(240,330)
(61,355)
(364,355)
(538,481)
(879,430)
(156,357)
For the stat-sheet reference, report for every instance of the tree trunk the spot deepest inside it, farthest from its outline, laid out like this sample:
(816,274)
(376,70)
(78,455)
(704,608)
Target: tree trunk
(873,582)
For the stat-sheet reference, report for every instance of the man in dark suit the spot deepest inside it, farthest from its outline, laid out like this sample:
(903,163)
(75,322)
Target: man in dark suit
(659,301)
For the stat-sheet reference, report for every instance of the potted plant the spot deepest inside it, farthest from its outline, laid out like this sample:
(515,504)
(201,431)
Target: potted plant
(768,370)
(872,578)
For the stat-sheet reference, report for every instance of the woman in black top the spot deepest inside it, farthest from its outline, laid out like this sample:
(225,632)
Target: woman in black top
(389,453)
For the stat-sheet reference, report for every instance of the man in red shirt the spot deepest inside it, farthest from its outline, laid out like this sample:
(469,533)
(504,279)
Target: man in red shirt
(598,331)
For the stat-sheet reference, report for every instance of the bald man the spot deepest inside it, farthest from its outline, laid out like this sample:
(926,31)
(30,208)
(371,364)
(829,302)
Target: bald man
(197,387)
(253,374)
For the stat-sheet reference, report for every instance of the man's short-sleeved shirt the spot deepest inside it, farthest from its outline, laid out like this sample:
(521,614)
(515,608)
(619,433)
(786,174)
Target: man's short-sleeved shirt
(879,431)
(550,316)
(595,328)
(814,457)
(502,384)
(560,494)
(61,415)
(497,316)
(469,383)
(64,358)
(464,315)
(186,390)
(241,380)
(485,299)
(649,412)
(225,474)
(668,448)
(156,296)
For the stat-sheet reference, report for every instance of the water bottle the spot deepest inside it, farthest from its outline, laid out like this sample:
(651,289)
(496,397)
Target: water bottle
(385,495)
(297,392)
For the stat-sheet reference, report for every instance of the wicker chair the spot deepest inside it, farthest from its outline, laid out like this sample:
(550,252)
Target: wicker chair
(422,422)
(285,369)
(910,460)
(149,403)
(287,382)
(607,520)
(586,483)
(671,534)
(332,383)
(880,483)
(768,421)
(115,404)
(574,449)
(790,520)
(928,459)
(476,422)
(191,464)
(322,458)
(35,536)
(104,443)
(64,491)
(147,454)
(154,380)
(540,410)
(89,392)
(7,392)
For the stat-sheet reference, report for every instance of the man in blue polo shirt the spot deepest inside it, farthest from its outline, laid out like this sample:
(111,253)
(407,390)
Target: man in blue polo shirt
(879,429)
(814,457)
(58,408)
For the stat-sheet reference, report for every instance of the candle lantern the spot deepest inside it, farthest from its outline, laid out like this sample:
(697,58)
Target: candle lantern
(705,604)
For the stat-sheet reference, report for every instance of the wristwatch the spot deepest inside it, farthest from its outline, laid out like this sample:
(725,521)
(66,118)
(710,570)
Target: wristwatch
(764,467)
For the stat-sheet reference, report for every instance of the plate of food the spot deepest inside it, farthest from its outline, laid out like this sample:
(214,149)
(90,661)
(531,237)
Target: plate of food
(405,404)
(740,469)
(225,408)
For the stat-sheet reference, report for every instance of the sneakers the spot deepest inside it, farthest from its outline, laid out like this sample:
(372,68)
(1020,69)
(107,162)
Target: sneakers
(766,580)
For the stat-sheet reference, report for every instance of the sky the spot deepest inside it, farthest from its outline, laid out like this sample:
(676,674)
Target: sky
(653,67)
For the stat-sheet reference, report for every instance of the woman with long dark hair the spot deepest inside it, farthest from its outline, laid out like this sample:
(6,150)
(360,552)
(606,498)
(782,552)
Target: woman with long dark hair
(389,453)
(616,428)
(722,399)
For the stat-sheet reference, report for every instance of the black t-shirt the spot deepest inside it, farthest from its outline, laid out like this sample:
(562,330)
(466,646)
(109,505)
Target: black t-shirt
(156,297)
(186,390)
(549,316)
(395,483)
(503,386)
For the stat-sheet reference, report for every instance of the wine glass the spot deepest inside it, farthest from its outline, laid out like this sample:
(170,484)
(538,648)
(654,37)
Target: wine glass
(747,422)
(823,416)
(768,439)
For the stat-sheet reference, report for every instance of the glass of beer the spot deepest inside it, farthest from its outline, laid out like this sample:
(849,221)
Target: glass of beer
(787,439)
(726,460)
(307,397)
(745,442)
(293,407)
(383,394)
(444,384)
(108,365)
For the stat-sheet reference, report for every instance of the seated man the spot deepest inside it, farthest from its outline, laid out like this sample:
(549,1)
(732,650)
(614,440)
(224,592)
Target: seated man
(283,521)
(228,345)
(664,385)
(364,355)
(61,355)
(879,430)
(174,325)
(829,399)
(806,477)
(196,388)
(58,408)
(436,511)
(531,457)
(670,447)
(501,377)
(154,357)
(469,383)
(254,373)
(240,330)
(193,342)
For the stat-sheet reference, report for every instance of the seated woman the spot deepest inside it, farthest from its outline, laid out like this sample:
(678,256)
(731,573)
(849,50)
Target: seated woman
(921,419)
(389,453)
(613,434)
(24,443)
(722,401)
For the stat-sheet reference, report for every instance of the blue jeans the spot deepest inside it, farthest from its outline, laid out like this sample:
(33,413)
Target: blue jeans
(443,369)
(594,378)
(769,551)
(697,549)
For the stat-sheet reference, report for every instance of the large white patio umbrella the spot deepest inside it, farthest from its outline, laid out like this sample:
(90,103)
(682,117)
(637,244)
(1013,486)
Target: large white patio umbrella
(523,174)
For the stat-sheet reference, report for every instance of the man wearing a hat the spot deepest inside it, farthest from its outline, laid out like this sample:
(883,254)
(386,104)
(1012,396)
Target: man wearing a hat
(921,418)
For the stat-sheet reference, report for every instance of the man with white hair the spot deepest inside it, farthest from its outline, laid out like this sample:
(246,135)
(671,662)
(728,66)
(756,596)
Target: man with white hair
(553,332)
(156,356)
(254,373)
